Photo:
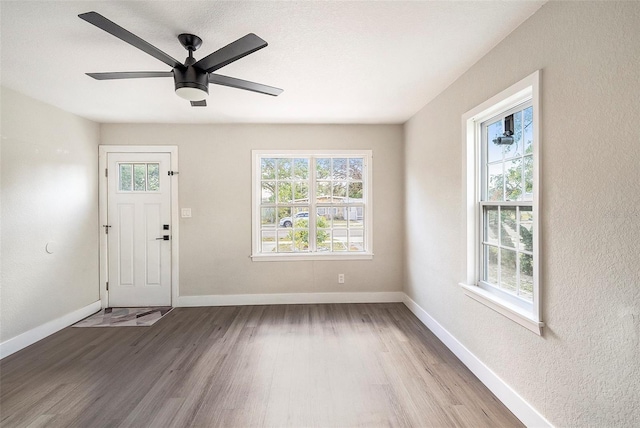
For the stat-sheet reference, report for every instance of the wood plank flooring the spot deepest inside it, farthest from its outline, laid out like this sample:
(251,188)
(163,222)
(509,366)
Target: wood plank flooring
(337,365)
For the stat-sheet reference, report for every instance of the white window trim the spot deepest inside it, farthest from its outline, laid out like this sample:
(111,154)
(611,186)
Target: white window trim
(257,256)
(527,88)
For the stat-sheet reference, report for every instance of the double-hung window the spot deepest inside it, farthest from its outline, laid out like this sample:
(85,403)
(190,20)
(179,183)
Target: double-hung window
(506,205)
(502,145)
(311,205)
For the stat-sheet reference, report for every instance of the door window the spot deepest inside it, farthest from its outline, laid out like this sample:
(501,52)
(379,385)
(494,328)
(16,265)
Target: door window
(139,177)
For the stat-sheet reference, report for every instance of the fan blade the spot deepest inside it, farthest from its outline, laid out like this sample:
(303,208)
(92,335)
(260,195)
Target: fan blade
(232,52)
(130,75)
(124,35)
(219,79)
(202,103)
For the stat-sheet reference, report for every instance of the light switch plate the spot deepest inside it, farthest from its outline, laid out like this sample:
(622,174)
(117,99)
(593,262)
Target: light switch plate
(186,212)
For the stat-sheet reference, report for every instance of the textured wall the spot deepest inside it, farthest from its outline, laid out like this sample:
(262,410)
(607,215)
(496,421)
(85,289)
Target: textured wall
(49,193)
(215,182)
(585,369)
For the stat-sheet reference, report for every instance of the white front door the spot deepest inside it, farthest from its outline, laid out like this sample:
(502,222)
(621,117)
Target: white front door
(139,232)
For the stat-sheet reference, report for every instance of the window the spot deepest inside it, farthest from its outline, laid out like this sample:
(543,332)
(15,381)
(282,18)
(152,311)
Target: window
(310,205)
(139,177)
(501,139)
(505,206)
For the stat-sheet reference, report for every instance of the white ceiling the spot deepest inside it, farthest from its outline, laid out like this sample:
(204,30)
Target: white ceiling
(338,62)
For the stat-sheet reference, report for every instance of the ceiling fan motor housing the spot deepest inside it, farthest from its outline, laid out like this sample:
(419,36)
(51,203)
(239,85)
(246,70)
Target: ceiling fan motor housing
(191,77)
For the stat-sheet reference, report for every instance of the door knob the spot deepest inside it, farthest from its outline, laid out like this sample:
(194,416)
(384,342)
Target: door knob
(163,238)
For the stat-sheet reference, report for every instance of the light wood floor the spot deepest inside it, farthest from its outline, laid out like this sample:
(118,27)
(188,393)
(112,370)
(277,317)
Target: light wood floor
(346,365)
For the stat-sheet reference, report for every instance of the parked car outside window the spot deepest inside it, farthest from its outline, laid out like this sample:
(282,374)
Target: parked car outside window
(288,221)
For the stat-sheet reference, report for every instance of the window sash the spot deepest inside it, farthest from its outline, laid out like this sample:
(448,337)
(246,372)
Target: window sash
(515,296)
(484,143)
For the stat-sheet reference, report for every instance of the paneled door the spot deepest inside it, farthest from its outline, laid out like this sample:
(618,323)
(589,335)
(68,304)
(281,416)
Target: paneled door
(139,229)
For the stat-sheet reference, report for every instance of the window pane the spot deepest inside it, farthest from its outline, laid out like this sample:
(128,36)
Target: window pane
(268,192)
(528,177)
(321,220)
(284,217)
(339,169)
(300,233)
(323,240)
(323,168)
(495,183)
(356,217)
(491,264)
(301,169)
(355,192)
(324,217)
(515,149)
(285,242)
(356,240)
(508,234)
(153,177)
(125,176)
(526,229)
(513,180)
(339,217)
(526,276)
(494,151)
(301,192)
(268,169)
(284,169)
(140,177)
(323,191)
(268,217)
(301,218)
(355,169)
(528,130)
(508,269)
(491,225)
(339,191)
(285,192)
(339,240)
(268,244)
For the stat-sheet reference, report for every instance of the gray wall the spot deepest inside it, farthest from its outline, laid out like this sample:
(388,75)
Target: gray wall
(49,193)
(215,182)
(585,369)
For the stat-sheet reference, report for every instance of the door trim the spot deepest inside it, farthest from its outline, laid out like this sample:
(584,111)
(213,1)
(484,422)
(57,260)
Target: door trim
(103,151)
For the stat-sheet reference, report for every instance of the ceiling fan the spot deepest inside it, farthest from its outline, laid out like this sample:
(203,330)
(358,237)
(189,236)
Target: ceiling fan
(193,77)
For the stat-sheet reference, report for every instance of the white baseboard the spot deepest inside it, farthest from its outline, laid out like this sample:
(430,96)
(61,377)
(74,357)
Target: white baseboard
(30,337)
(510,398)
(289,298)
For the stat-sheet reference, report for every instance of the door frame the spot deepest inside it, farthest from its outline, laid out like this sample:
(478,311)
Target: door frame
(103,151)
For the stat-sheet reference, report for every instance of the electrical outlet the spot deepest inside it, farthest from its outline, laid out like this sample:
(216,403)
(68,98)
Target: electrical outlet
(185,212)
(340,278)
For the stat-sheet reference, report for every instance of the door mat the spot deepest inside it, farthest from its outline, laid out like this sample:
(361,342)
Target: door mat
(125,317)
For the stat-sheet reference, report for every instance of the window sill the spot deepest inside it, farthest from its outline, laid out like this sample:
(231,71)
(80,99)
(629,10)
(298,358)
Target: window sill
(510,311)
(316,257)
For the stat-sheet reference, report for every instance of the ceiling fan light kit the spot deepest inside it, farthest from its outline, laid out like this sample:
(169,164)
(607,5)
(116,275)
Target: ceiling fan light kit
(193,77)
